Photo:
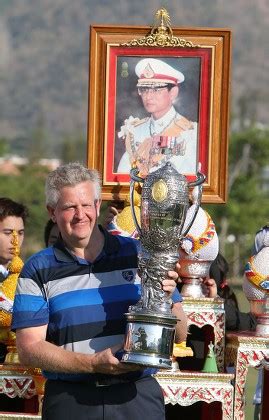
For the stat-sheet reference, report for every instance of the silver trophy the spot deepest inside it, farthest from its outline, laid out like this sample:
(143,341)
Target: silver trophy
(164,203)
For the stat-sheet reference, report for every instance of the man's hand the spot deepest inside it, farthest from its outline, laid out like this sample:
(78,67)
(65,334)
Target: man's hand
(170,284)
(210,288)
(35,351)
(106,362)
(112,212)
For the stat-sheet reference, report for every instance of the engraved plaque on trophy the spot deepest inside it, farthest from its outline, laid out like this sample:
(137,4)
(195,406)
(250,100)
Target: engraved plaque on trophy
(150,323)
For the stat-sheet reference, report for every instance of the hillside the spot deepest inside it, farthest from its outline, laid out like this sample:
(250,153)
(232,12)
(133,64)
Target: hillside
(44,58)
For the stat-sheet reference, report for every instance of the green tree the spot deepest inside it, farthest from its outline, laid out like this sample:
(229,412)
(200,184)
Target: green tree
(4,148)
(37,145)
(74,148)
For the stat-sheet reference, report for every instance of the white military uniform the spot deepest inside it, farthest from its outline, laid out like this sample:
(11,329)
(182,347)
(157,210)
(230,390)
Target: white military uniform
(151,143)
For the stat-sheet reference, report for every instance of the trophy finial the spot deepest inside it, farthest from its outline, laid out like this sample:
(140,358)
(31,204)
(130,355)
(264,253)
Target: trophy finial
(162,25)
(161,34)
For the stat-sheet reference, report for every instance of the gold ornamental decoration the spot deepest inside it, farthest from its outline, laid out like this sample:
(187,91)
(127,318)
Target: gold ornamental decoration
(8,286)
(7,293)
(159,191)
(161,34)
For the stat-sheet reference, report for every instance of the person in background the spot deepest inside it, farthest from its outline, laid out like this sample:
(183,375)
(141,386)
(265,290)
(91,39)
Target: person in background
(51,233)
(13,216)
(235,319)
(69,310)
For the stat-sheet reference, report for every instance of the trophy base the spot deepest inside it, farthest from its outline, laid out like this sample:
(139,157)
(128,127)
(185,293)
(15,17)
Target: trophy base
(149,340)
(149,360)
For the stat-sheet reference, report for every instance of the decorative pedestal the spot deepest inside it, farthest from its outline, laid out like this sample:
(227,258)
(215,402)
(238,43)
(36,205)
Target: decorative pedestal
(243,350)
(183,388)
(187,388)
(208,311)
(17,384)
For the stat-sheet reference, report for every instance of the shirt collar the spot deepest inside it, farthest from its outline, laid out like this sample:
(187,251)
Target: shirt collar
(3,270)
(62,254)
(158,125)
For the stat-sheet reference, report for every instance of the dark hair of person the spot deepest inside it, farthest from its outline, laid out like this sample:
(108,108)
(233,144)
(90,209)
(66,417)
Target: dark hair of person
(49,225)
(170,86)
(218,271)
(9,207)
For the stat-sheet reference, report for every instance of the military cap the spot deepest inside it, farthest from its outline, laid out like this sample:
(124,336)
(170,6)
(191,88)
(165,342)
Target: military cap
(154,72)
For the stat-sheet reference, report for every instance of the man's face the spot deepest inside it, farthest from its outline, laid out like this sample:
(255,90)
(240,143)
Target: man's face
(7,226)
(158,101)
(76,213)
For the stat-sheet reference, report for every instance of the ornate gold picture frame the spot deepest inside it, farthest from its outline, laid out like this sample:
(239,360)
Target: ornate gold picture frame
(203,55)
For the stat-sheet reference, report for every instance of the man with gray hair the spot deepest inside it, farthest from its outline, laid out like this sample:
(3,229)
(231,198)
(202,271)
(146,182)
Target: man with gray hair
(69,310)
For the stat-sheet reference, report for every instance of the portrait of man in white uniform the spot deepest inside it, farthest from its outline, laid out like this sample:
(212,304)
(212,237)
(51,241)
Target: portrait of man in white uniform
(163,133)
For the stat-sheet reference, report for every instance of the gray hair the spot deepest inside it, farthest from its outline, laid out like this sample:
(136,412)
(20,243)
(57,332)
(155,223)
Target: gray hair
(71,174)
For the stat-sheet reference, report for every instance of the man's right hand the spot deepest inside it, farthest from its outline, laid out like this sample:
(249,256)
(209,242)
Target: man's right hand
(106,362)
(210,288)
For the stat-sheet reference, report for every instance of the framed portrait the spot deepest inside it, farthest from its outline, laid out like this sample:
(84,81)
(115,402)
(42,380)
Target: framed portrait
(126,126)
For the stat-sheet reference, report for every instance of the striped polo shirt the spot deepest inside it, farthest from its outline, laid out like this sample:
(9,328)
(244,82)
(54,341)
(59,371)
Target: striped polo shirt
(82,303)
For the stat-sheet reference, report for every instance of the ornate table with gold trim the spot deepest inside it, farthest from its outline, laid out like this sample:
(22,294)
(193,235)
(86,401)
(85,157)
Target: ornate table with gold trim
(15,381)
(244,349)
(184,388)
(187,388)
(208,311)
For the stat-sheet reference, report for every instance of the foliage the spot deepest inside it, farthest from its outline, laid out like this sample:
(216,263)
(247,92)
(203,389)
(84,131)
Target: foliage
(73,148)
(4,149)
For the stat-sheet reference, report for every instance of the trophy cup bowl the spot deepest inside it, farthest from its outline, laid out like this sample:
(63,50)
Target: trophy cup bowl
(193,271)
(150,326)
(256,289)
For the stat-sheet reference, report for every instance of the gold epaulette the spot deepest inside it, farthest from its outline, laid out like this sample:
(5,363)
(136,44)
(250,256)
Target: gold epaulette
(184,123)
(139,121)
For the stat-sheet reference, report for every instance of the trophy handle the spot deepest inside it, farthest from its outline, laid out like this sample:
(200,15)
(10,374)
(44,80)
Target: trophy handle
(198,183)
(200,179)
(134,178)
